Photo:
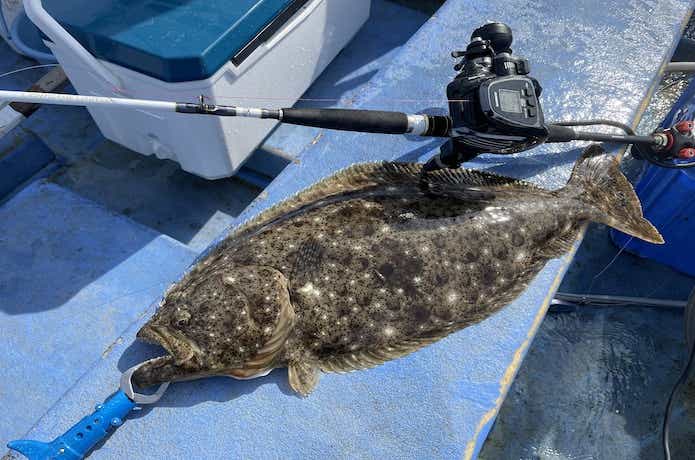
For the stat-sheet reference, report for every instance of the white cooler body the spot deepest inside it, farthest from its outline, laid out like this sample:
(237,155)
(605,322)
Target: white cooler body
(280,69)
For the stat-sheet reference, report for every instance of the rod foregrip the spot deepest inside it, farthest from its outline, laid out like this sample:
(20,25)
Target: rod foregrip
(370,121)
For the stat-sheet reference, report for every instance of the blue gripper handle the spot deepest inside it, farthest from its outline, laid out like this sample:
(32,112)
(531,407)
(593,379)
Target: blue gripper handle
(82,437)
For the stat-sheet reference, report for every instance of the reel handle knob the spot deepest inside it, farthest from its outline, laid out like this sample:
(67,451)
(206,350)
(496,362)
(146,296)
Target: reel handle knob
(685,127)
(687,153)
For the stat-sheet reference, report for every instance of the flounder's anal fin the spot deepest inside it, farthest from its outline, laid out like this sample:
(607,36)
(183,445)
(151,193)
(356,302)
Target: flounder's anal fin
(274,296)
(303,377)
(371,358)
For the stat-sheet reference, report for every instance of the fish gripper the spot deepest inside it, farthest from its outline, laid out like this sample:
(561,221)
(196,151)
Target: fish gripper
(79,440)
(76,443)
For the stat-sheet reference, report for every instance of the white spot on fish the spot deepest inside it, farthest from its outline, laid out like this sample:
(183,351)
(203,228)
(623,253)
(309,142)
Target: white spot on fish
(389,331)
(452,297)
(417,280)
(399,290)
(309,289)
(385,229)
(229,280)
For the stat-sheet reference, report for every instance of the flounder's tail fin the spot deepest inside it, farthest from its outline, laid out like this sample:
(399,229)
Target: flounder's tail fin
(597,178)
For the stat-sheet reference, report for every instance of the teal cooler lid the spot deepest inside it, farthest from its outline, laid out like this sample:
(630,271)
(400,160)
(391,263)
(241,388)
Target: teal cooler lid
(172,40)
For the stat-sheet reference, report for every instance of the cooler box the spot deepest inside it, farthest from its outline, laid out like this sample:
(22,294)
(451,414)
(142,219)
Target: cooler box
(230,51)
(667,197)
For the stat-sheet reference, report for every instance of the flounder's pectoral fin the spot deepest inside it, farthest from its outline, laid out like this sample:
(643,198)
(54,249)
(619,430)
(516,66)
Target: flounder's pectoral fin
(303,377)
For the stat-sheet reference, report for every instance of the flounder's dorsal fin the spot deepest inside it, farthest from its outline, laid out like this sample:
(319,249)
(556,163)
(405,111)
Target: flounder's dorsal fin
(560,245)
(471,184)
(366,359)
(366,175)
(356,177)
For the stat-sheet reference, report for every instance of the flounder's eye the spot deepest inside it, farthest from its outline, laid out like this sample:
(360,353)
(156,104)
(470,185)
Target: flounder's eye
(181,317)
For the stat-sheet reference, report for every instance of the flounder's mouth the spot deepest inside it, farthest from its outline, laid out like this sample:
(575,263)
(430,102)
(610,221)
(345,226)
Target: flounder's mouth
(176,345)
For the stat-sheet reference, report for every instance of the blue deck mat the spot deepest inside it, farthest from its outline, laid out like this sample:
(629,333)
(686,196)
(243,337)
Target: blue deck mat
(441,401)
(73,277)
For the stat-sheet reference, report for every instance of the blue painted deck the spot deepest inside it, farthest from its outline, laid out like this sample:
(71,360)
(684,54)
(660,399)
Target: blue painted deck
(73,276)
(441,401)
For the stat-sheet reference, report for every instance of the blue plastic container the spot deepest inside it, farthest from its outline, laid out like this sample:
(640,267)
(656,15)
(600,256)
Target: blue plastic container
(668,200)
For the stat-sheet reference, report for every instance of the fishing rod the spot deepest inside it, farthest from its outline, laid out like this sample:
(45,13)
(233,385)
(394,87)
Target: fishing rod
(494,107)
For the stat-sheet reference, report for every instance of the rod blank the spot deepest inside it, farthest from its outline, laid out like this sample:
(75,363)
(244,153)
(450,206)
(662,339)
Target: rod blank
(85,101)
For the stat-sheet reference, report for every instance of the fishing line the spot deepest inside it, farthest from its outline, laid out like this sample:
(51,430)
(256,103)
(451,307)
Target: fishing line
(40,66)
(616,256)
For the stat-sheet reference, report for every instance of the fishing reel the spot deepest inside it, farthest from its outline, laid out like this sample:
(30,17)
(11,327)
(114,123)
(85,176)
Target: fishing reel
(493,104)
(494,107)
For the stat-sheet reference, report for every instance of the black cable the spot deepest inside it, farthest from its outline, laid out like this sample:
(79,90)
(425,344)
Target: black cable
(669,405)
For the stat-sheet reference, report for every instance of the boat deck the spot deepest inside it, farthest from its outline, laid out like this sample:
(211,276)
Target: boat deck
(93,245)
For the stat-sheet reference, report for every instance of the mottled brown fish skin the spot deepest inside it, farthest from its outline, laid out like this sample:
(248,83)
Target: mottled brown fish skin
(372,264)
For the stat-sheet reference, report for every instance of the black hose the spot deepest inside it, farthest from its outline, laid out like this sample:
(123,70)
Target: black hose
(689,316)
(665,433)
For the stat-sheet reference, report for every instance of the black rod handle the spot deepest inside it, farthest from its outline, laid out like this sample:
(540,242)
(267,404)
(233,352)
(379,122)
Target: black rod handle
(369,121)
